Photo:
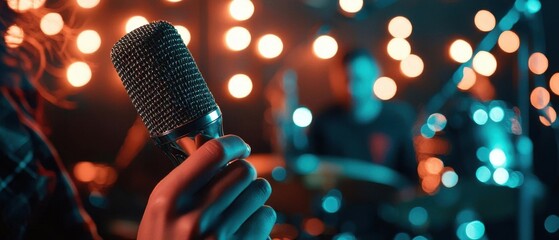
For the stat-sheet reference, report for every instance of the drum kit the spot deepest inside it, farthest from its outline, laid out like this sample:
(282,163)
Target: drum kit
(342,195)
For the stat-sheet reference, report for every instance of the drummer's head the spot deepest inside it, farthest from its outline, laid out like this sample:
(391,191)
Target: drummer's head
(359,70)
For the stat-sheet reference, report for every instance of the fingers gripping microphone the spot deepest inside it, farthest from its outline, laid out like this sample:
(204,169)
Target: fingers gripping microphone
(166,88)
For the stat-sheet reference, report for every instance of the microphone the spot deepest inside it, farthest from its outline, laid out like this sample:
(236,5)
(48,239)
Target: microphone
(167,89)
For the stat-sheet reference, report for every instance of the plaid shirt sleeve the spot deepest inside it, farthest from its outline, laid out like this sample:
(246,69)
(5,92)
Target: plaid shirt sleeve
(37,198)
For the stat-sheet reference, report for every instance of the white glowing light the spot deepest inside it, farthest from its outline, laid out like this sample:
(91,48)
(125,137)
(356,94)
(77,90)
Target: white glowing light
(88,41)
(78,74)
(325,47)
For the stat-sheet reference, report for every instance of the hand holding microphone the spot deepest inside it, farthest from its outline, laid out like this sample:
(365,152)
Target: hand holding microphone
(213,193)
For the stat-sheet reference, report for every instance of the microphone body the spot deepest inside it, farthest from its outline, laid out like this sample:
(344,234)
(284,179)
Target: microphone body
(167,89)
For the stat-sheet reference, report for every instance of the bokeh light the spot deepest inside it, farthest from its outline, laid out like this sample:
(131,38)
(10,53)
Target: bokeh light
(551,224)
(237,38)
(554,83)
(497,114)
(418,216)
(279,174)
(84,171)
(538,63)
(436,122)
(483,174)
(78,74)
(482,154)
(550,115)
(270,46)
(385,88)
(412,66)
(239,86)
(241,10)
(325,47)
(460,51)
(14,36)
(88,3)
(433,165)
(449,179)
(509,42)
(500,176)
(497,157)
(135,22)
(480,117)
(302,117)
(484,20)
(398,48)
(185,34)
(24,5)
(485,63)
(52,23)
(427,132)
(475,230)
(400,27)
(351,6)
(468,79)
(539,97)
(88,41)
(313,226)
(430,183)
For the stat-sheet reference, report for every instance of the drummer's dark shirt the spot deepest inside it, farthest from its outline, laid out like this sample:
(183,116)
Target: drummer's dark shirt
(386,140)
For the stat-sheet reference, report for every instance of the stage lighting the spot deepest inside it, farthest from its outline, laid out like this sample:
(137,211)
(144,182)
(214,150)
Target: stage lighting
(449,179)
(483,174)
(497,157)
(549,116)
(554,83)
(240,86)
(460,51)
(398,48)
(241,10)
(14,36)
(539,98)
(51,23)
(500,176)
(400,27)
(78,74)
(351,6)
(270,46)
(538,63)
(484,20)
(185,34)
(412,66)
(468,79)
(237,38)
(88,41)
(135,22)
(302,117)
(485,63)
(88,3)
(325,47)
(509,42)
(385,88)
(24,5)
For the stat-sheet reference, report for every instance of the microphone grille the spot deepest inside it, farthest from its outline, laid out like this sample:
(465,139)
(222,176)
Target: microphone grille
(161,77)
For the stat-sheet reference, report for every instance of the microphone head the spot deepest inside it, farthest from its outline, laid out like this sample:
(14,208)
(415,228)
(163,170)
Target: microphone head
(161,78)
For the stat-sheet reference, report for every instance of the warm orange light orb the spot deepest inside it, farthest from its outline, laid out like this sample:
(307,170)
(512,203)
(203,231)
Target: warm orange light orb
(84,171)
(549,117)
(485,21)
(241,10)
(237,38)
(538,63)
(14,36)
(539,98)
(78,74)
(400,27)
(554,83)
(135,22)
(509,42)
(468,79)
(184,33)
(88,41)
(351,6)
(398,48)
(24,5)
(385,88)
(88,3)
(485,63)
(240,86)
(325,47)
(51,23)
(412,66)
(460,51)
(270,46)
